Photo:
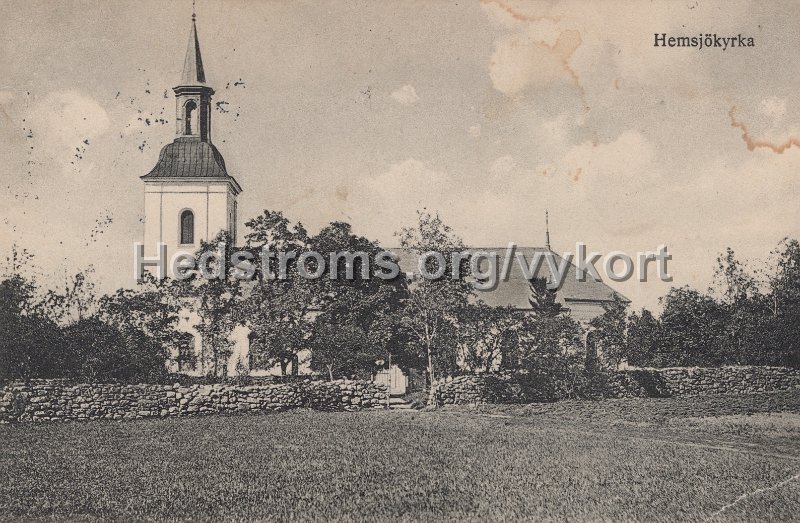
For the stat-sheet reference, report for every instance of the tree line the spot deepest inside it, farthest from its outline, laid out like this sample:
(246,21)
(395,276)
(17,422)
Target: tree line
(350,325)
(750,316)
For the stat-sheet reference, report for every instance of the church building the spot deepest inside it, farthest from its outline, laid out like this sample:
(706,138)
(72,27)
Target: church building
(190,197)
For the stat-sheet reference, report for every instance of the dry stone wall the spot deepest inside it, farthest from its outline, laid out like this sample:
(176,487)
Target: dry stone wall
(692,381)
(669,382)
(58,400)
(478,389)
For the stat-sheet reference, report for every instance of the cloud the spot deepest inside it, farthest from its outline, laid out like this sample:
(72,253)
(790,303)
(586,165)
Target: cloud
(410,182)
(614,181)
(406,95)
(65,123)
(380,204)
(503,166)
(626,156)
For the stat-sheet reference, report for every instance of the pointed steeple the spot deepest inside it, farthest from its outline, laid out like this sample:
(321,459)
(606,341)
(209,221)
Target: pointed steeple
(193,73)
(192,94)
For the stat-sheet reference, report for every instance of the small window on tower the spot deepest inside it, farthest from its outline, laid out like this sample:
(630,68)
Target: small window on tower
(187,227)
(191,112)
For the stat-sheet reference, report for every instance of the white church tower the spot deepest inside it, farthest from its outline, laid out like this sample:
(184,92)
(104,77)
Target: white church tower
(189,195)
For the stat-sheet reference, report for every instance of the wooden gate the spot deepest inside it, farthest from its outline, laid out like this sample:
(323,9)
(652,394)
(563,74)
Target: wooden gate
(394,379)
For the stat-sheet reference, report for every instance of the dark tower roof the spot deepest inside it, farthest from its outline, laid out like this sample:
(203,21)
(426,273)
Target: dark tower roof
(189,157)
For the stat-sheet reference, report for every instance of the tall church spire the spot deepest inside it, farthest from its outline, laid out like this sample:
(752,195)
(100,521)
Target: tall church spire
(192,95)
(193,73)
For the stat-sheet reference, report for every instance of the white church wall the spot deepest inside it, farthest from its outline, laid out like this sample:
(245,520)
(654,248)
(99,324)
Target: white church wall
(212,204)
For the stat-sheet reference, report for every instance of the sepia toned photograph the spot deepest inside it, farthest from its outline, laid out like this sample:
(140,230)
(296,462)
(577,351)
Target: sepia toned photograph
(407,260)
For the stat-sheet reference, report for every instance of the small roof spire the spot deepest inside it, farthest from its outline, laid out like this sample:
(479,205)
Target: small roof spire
(547,229)
(193,72)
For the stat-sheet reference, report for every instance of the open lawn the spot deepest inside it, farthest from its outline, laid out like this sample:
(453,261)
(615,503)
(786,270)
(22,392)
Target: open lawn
(615,460)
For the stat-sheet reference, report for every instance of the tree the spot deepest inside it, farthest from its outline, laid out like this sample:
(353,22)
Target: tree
(750,317)
(543,299)
(355,326)
(152,311)
(77,302)
(280,302)
(488,336)
(551,353)
(645,342)
(429,313)
(90,344)
(784,303)
(99,352)
(215,298)
(746,309)
(342,350)
(608,332)
(694,326)
(30,343)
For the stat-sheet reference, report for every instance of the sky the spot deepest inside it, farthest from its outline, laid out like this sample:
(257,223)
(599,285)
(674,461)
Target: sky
(488,113)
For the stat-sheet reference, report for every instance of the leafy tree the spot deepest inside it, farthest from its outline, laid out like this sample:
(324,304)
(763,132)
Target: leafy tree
(746,311)
(151,310)
(78,301)
(30,343)
(342,350)
(784,303)
(214,299)
(694,328)
(429,314)
(360,309)
(608,332)
(752,318)
(97,352)
(760,329)
(488,336)
(551,353)
(278,307)
(645,341)
(543,299)
(89,345)
(785,282)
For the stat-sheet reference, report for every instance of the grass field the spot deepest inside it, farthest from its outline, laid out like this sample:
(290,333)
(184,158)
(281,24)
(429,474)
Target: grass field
(613,460)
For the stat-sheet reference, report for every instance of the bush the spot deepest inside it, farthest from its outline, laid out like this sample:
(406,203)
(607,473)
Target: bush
(95,351)
(417,400)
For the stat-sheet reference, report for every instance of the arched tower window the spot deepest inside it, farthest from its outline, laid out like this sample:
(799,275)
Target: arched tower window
(191,114)
(187,227)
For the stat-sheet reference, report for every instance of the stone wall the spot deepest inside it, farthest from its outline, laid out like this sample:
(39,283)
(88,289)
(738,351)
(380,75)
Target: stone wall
(58,400)
(691,381)
(478,389)
(669,382)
